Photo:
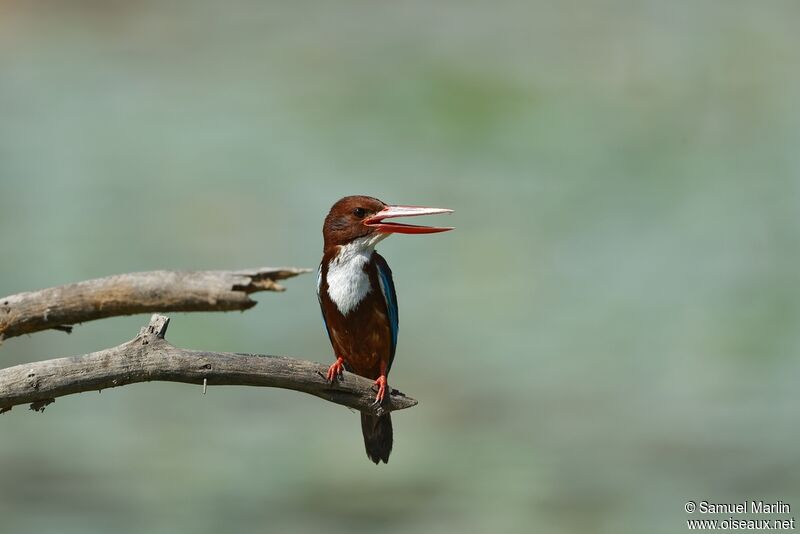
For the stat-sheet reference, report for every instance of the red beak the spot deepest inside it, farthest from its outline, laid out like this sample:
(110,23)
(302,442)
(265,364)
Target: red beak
(376,221)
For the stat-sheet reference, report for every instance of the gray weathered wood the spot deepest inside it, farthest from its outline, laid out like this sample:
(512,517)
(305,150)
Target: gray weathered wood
(128,294)
(149,357)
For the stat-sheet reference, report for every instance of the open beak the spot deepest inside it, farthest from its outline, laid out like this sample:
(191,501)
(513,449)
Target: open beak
(389,212)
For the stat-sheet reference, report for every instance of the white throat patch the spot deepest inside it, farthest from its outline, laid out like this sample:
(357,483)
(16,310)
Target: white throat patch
(348,284)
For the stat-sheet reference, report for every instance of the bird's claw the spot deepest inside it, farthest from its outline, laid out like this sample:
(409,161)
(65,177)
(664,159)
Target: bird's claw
(335,370)
(379,396)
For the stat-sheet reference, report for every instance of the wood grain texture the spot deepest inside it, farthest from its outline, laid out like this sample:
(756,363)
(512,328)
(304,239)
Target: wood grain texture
(149,357)
(127,294)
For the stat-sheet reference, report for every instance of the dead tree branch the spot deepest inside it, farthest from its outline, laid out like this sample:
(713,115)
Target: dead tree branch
(127,294)
(149,357)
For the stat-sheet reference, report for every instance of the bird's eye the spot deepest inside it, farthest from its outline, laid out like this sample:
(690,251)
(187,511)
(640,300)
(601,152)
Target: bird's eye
(359,212)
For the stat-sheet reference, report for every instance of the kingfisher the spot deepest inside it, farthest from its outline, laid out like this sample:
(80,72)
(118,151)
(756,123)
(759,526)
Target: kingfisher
(358,301)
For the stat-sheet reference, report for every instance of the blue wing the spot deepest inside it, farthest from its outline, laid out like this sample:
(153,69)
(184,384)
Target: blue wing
(389,294)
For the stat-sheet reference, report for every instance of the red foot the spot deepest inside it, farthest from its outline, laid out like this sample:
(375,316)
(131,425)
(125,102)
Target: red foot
(381,383)
(335,370)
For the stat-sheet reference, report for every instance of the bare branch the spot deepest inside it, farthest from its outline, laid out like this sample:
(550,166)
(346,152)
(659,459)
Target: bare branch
(148,357)
(128,294)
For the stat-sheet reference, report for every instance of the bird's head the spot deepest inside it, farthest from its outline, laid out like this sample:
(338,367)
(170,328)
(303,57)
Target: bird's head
(362,219)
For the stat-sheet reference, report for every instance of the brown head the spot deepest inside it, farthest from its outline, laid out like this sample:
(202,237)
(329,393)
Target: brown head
(361,217)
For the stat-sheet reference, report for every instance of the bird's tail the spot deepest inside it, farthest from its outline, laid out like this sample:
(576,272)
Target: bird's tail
(377,436)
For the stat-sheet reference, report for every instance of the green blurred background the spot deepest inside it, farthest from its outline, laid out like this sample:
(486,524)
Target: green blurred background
(611,330)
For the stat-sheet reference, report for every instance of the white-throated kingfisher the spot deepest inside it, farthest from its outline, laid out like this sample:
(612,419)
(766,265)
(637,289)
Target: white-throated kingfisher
(358,300)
